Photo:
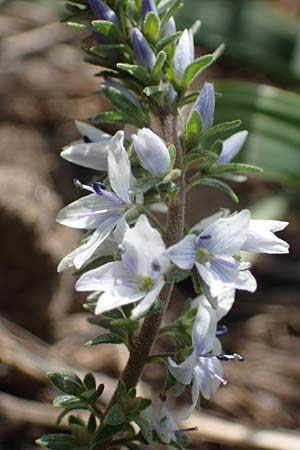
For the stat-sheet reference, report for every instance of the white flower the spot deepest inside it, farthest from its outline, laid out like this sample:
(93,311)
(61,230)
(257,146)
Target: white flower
(91,150)
(161,421)
(138,276)
(231,147)
(213,253)
(102,210)
(152,152)
(202,368)
(184,53)
(260,236)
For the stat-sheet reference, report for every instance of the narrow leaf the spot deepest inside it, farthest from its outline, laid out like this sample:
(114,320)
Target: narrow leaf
(221,127)
(218,184)
(109,30)
(236,167)
(107,338)
(107,117)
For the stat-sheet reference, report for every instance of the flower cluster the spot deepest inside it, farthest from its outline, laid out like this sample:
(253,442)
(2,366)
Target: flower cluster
(125,257)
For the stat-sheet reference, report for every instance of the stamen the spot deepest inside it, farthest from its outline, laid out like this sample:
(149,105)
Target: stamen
(86,139)
(99,187)
(185,430)
(233,357)
(205,236)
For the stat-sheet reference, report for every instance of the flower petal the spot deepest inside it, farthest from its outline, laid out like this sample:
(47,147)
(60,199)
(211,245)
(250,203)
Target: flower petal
(183,254)
(226,235)
(144,247)
(231,147)
(208,375)
(119,168)
(183,372)
(116,298)
(92,133)
(92,155)
(261,237)
(184,53)
(110,276)
(204,223)
(204,329)
(152,152)
(147,301)
(88,212)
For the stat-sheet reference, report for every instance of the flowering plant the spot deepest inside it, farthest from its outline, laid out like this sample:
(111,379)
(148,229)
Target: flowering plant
(129,260)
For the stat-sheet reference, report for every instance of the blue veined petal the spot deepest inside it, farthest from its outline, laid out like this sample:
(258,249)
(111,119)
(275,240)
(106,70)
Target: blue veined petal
(184,53)
(183,254)
(261,237)
(119,168)
(148,6)
(102,11)
(208,374)
(144,54)
(152,152)
(231,147)
(204,329)
(205,105)
(227,235)
(88,212)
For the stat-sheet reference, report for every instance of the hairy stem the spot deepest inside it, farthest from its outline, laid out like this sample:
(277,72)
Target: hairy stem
(150,329)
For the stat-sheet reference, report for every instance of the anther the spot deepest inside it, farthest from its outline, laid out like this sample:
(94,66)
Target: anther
(77,183)
(205,236)
(156,266)
(221,330)
(86,139)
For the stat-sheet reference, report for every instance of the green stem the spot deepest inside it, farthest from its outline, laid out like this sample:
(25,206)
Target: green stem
(143,342)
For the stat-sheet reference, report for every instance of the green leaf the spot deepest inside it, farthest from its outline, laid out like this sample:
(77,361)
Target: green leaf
(221,127)
(107,338)
(218,184)
(80,405)
(196,281)
(107,117)
(158,66)
(193,129)
(144,427)
(175,6)
(65,400)
(125,107)
(109,30)
(67,382)
(153,90)
(60,442)
(152,27)
(175,274)
(89,381)
(106,48)
(173,152)
(144,403)
(167,40)
(144,184)
(121,390)
(197,66)
(105,432)
(92,424)
(236,167)
(115,416)
(203,157)
(138,72)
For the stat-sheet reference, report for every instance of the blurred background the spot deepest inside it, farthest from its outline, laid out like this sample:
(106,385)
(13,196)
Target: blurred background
(44,87)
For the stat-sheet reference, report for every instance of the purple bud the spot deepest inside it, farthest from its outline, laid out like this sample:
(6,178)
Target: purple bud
(205,104)
(148,6)
(103,12)
(144,54)
(170,27)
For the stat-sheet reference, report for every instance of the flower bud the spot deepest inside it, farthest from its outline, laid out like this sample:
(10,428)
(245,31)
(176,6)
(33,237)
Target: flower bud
(152,152)
(148,6)
(170,27)
(231,147)
(205,105)
(103,12)
(144,54)
(184,53)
